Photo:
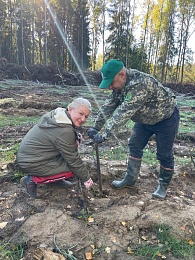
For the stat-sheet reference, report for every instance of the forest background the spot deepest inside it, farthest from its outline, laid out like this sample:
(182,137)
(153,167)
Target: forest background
(149,35)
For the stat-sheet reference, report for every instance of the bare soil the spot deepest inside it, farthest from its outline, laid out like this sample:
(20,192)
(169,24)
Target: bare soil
(103,225)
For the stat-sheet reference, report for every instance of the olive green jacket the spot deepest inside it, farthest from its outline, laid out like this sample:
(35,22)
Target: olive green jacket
(49,148)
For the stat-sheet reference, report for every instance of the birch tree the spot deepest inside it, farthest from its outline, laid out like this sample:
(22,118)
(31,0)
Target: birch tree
(97,24)
(186,9)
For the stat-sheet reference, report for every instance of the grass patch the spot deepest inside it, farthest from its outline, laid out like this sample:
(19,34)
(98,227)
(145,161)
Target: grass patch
(149,157)
(6,100)
(158,241)
(11,253)
(7,120)
(185,102)
(183,161)
(115,153)
(186,124)
(4,87)
(130,124)
(121,152)
(17,176)
(8,154)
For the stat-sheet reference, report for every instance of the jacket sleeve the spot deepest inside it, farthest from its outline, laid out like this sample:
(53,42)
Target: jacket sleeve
(66,143)
(107,110)
(128,108)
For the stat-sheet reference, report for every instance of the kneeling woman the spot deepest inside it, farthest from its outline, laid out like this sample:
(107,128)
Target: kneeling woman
(49,151)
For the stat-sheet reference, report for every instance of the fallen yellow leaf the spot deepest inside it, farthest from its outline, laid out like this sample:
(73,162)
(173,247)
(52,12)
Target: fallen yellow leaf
(90,219)
(191,242)
(129,250)
(144,237)
(123,223)
(88,256)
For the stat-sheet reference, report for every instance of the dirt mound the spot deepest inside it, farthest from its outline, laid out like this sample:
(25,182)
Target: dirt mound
(182,88)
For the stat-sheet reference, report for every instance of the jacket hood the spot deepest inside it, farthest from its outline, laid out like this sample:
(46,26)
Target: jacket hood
(55,118)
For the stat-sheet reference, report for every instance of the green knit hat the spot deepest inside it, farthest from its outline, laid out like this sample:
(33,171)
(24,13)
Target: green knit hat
(109,71)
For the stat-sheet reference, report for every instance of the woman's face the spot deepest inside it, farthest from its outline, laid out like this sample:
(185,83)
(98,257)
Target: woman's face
(79,115)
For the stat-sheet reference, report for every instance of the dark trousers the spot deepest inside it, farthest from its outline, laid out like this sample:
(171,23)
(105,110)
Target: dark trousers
(165,132)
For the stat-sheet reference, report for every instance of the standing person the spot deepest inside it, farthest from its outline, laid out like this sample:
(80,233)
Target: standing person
(141,98)
(48,153)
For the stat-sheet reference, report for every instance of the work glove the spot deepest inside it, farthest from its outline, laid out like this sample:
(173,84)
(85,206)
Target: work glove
(92,132)
(98,138)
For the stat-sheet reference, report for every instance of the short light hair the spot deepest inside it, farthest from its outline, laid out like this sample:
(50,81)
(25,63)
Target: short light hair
(80,102)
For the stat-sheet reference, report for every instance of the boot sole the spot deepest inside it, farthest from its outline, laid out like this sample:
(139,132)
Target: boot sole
(124,187)
(157,197)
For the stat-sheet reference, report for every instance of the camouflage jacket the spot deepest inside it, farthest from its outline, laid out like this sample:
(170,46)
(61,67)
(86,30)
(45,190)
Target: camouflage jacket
(143,99)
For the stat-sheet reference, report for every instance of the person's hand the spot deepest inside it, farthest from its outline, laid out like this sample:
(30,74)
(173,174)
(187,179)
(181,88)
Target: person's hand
(92,132)
(88,184)
(99,138)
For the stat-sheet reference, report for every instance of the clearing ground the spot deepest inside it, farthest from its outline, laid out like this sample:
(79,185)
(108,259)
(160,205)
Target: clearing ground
(104,226)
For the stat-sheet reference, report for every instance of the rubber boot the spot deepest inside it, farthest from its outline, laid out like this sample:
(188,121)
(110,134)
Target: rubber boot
(131,175)
(164,180)
(31,187)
